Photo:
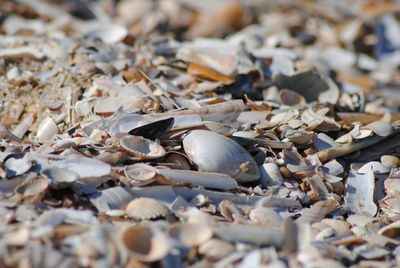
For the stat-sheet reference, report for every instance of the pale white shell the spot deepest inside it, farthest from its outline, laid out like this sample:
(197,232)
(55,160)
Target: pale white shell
(212,152)
(190,234)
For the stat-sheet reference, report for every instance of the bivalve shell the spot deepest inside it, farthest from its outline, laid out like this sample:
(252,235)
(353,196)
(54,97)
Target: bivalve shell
(146,209)
(59,177)
(142,148)
(140,174)
(35,187)
(145,243)
(216,249)
(212,152)
(190,234)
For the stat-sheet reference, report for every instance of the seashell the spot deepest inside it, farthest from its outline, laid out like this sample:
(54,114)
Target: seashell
(153,129)
(290,98)
(110,34)
(340,227)
(59,177)
(126,123)
(253,234)
(230,212)
(142,148)
(390,161)
(206,179)
(302,138)
(110,105)
(392,230)
(207,73)
(318,211)
(32,187)
(265,216)
(140,174)
(21,52)
(219,112)
(216,249)
(145,243)
(380,128)
(190,234)
(47,129)
(360,193)
(146,209)
(17,166)
(212,152)
(84,167)
(392,187)
(179,159)
(26,123)
(270,175)
(375,166)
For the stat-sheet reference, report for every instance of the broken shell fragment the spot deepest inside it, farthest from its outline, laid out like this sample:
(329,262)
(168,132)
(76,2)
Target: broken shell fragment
(212,152)
(47,129)
(146,209)
(32,187)
(141,148)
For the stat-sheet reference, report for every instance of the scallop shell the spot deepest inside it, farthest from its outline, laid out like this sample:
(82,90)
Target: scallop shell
(190,234)
(265,216)
(32,187)
(212,152)
(216,249)
(140,174)
(59,177)
(142,148)
(146,209)
(145,243)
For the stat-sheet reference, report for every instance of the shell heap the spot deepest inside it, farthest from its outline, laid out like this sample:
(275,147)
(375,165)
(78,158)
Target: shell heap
(185,133)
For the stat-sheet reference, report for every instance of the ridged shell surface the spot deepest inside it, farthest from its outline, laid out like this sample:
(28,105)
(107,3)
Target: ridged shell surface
(212,152)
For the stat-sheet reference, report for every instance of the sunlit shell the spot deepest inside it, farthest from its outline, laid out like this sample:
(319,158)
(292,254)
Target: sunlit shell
(190,234)
(145,243)
(206,179)
(142,148)
(47,129)
(59,177)
(270,175)
(32,187)
(380,128)
(146,209)
(390,160)
(265,216)
(216,249)
(230,212)
(84,167)
(247,233)
(375,166)
(340,226)
(212,152)
(140,174)
(17,166)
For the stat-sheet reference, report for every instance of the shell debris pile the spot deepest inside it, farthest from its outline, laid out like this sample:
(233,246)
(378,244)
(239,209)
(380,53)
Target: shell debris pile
(185,133)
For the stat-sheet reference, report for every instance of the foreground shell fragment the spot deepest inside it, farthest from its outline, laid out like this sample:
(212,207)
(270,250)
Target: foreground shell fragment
(188,133)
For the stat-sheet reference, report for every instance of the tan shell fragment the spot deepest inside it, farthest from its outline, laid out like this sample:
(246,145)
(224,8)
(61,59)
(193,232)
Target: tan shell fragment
(146,209)
(190,234)
(392,230)
(141,148)
(216,249)
(145,243)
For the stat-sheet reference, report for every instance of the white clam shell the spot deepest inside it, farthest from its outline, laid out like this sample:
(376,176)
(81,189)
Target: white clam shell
(47,129)
(216,249)
(212,152)
(17,166)
(265,216)
(270,175)
(190,234)
(146,208)
(142,148)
